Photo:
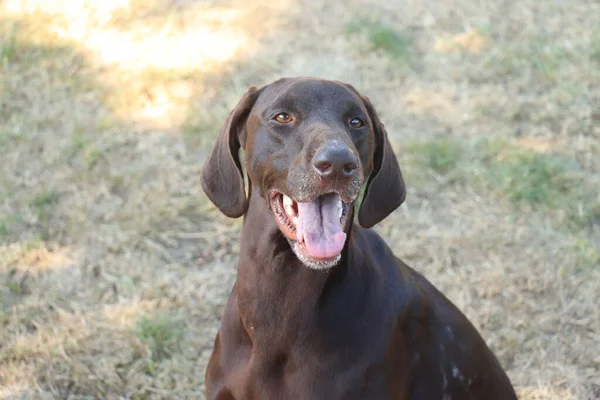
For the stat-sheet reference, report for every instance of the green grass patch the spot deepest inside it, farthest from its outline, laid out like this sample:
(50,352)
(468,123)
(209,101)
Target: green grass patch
(440,155)
(540,58)
(384,37)
(546,59)
(533,178)
(595,45)
(587,254)
(42,203)
(546,182)
(79,140)
(92,156)
(45,199)
(4,227)
(8,42)
(14,287)
(8,223)
(161,333)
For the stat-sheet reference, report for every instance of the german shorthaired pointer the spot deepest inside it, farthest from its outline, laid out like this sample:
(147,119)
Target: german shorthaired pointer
(321,308)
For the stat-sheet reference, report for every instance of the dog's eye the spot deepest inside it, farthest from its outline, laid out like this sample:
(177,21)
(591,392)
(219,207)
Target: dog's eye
(357,123)
(284,118)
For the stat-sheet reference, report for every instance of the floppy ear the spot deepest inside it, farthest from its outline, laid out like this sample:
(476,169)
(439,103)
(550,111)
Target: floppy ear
(385,189)
(222,176)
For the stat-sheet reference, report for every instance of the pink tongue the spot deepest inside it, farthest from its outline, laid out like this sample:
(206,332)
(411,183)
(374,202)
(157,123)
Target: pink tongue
(319,226)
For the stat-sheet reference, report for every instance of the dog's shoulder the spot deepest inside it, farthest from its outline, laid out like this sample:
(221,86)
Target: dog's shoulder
(371,246)
(446,342)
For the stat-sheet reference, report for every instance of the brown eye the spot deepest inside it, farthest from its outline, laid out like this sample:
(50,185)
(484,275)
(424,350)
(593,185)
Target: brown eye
(284,118)
(357,123)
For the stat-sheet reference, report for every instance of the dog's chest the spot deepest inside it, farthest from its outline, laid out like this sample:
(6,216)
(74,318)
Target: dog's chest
(307,375)
(351,362)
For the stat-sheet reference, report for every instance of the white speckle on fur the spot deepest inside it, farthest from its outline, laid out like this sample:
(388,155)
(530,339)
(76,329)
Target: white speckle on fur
(450,333)
(456,373)
(445,380)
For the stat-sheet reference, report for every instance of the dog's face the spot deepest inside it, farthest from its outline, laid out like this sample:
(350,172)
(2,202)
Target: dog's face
(310,146)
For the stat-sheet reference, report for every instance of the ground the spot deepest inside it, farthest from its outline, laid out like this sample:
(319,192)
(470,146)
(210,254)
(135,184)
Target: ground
(114,267)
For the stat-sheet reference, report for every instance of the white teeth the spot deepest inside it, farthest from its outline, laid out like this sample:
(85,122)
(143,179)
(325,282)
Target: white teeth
(288,206)
(340,208)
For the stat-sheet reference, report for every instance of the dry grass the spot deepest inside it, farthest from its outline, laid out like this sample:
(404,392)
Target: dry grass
(114,268)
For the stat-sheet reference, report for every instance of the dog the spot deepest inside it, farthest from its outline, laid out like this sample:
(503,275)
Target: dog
(321,308)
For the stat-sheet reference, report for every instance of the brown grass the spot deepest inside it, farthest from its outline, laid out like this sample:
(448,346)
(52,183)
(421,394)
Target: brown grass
(114,268)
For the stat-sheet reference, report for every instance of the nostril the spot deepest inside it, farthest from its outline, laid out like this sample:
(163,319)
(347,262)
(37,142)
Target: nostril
(350,167)
(323,167)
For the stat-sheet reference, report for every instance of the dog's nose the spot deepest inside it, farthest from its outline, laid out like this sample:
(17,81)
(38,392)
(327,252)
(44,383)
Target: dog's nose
(335,161)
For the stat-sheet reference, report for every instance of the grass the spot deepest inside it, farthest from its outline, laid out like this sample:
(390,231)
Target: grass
(546,59)
(8,45)
(161,333)
(537,179)
(199,130)
(546,182)
(595,45)
(383,37)
(440,155)
(42,202)
(538,59)
(586,252)
(5,225)
(106,117)
(45,199)
(15,288)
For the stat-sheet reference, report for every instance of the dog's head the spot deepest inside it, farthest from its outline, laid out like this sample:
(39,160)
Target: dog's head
(311,145)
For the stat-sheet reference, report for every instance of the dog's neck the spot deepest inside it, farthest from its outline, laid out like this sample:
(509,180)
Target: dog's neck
(274,289)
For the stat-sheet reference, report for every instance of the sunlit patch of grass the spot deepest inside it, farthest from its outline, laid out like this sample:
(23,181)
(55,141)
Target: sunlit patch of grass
(384,37)
(471,41)
(440,155)
(161,333)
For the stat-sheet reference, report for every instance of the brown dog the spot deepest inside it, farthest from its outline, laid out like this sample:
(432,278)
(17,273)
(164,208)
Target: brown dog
(321,308)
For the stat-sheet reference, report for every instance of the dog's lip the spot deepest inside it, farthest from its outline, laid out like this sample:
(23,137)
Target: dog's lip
(285,224)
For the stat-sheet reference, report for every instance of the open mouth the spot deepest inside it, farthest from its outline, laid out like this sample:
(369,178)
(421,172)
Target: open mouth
(316,227)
